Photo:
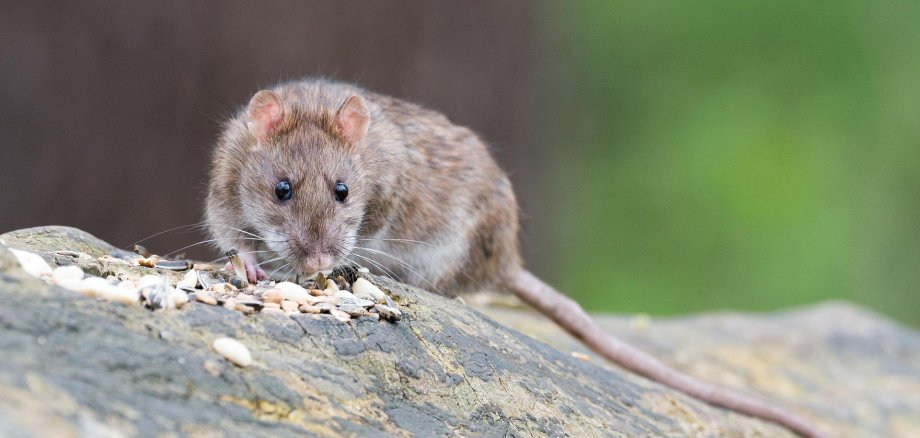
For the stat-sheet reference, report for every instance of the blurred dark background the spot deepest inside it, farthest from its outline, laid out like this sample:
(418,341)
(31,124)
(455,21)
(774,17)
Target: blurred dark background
(669,157)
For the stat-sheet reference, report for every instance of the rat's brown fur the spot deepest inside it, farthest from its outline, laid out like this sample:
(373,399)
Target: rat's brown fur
(415,177)
(427,204)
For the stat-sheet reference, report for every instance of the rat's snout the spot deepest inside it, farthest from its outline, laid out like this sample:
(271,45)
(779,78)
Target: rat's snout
(313,257)
(317,262)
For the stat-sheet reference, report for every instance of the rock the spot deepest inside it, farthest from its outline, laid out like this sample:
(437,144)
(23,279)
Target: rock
(233,350)
(293,292)
(71,362)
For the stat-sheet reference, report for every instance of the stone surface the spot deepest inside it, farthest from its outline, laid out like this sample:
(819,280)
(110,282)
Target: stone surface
(74,365)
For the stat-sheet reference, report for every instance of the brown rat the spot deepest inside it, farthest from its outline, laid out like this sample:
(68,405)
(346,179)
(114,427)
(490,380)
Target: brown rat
(315,174)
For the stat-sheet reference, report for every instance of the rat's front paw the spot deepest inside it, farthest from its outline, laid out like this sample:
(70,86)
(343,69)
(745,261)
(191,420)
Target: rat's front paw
(254,273)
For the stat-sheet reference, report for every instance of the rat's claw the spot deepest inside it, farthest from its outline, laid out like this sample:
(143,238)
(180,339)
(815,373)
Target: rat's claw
(253,273)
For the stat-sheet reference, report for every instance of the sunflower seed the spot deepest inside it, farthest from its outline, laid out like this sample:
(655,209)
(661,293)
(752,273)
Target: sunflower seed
(233,350)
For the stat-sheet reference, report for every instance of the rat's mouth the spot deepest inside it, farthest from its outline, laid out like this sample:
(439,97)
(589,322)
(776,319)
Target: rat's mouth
(315,263)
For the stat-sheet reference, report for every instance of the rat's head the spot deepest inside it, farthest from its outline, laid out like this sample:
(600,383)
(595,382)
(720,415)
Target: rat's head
(302,184)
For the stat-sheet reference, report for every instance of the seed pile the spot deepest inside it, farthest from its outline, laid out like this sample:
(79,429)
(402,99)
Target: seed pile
(345,297)
(287,298)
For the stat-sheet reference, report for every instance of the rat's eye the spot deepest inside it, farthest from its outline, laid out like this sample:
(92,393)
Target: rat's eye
(283,190)
(341,191)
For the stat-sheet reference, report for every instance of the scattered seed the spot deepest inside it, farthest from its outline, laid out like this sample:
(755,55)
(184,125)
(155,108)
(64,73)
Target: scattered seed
(237,263)
(67,275)
(354,301)
(250,303)
(388,301)
(306,308)
(293,292)
(150,281)
(119,295)
(240,307)
(205,279)
(364,287)
(32,263)
(289,306)
(323,307)
(353,310)
(271,306)
(343,294)
(189,280)
(238,282)
(388,312)
(272,296)
(205,297)
(580,356)
(340,315)
(348,273)
(330,285)
(222,287)
(148,262)
(177,299)
(233,350)
(173,265)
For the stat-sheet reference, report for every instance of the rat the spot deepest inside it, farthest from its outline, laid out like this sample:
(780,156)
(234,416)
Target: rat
(314,174)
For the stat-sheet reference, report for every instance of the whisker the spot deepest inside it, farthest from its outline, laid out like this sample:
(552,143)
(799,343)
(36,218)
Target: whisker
(203,242)
(404,264)
(241,253)
(398,240)
(379,266)
(279,267)
(269,261)
(197,224)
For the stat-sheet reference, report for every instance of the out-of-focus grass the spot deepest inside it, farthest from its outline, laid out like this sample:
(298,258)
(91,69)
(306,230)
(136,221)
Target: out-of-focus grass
(747,155)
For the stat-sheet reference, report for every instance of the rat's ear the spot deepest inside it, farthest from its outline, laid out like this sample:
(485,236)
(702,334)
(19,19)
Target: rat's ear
(352,119)
(266,111)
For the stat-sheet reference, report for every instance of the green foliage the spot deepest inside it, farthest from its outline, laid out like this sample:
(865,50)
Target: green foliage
(746,155)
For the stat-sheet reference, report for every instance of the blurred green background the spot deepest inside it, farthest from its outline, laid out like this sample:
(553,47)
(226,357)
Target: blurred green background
(746,155)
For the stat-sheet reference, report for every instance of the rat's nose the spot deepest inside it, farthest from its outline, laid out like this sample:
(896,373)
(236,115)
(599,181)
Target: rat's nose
(317,262)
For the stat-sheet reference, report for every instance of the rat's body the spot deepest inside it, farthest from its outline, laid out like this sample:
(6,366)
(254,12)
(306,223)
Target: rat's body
(423,201)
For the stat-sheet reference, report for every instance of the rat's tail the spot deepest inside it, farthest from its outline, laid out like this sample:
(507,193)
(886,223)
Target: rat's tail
(570,316)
